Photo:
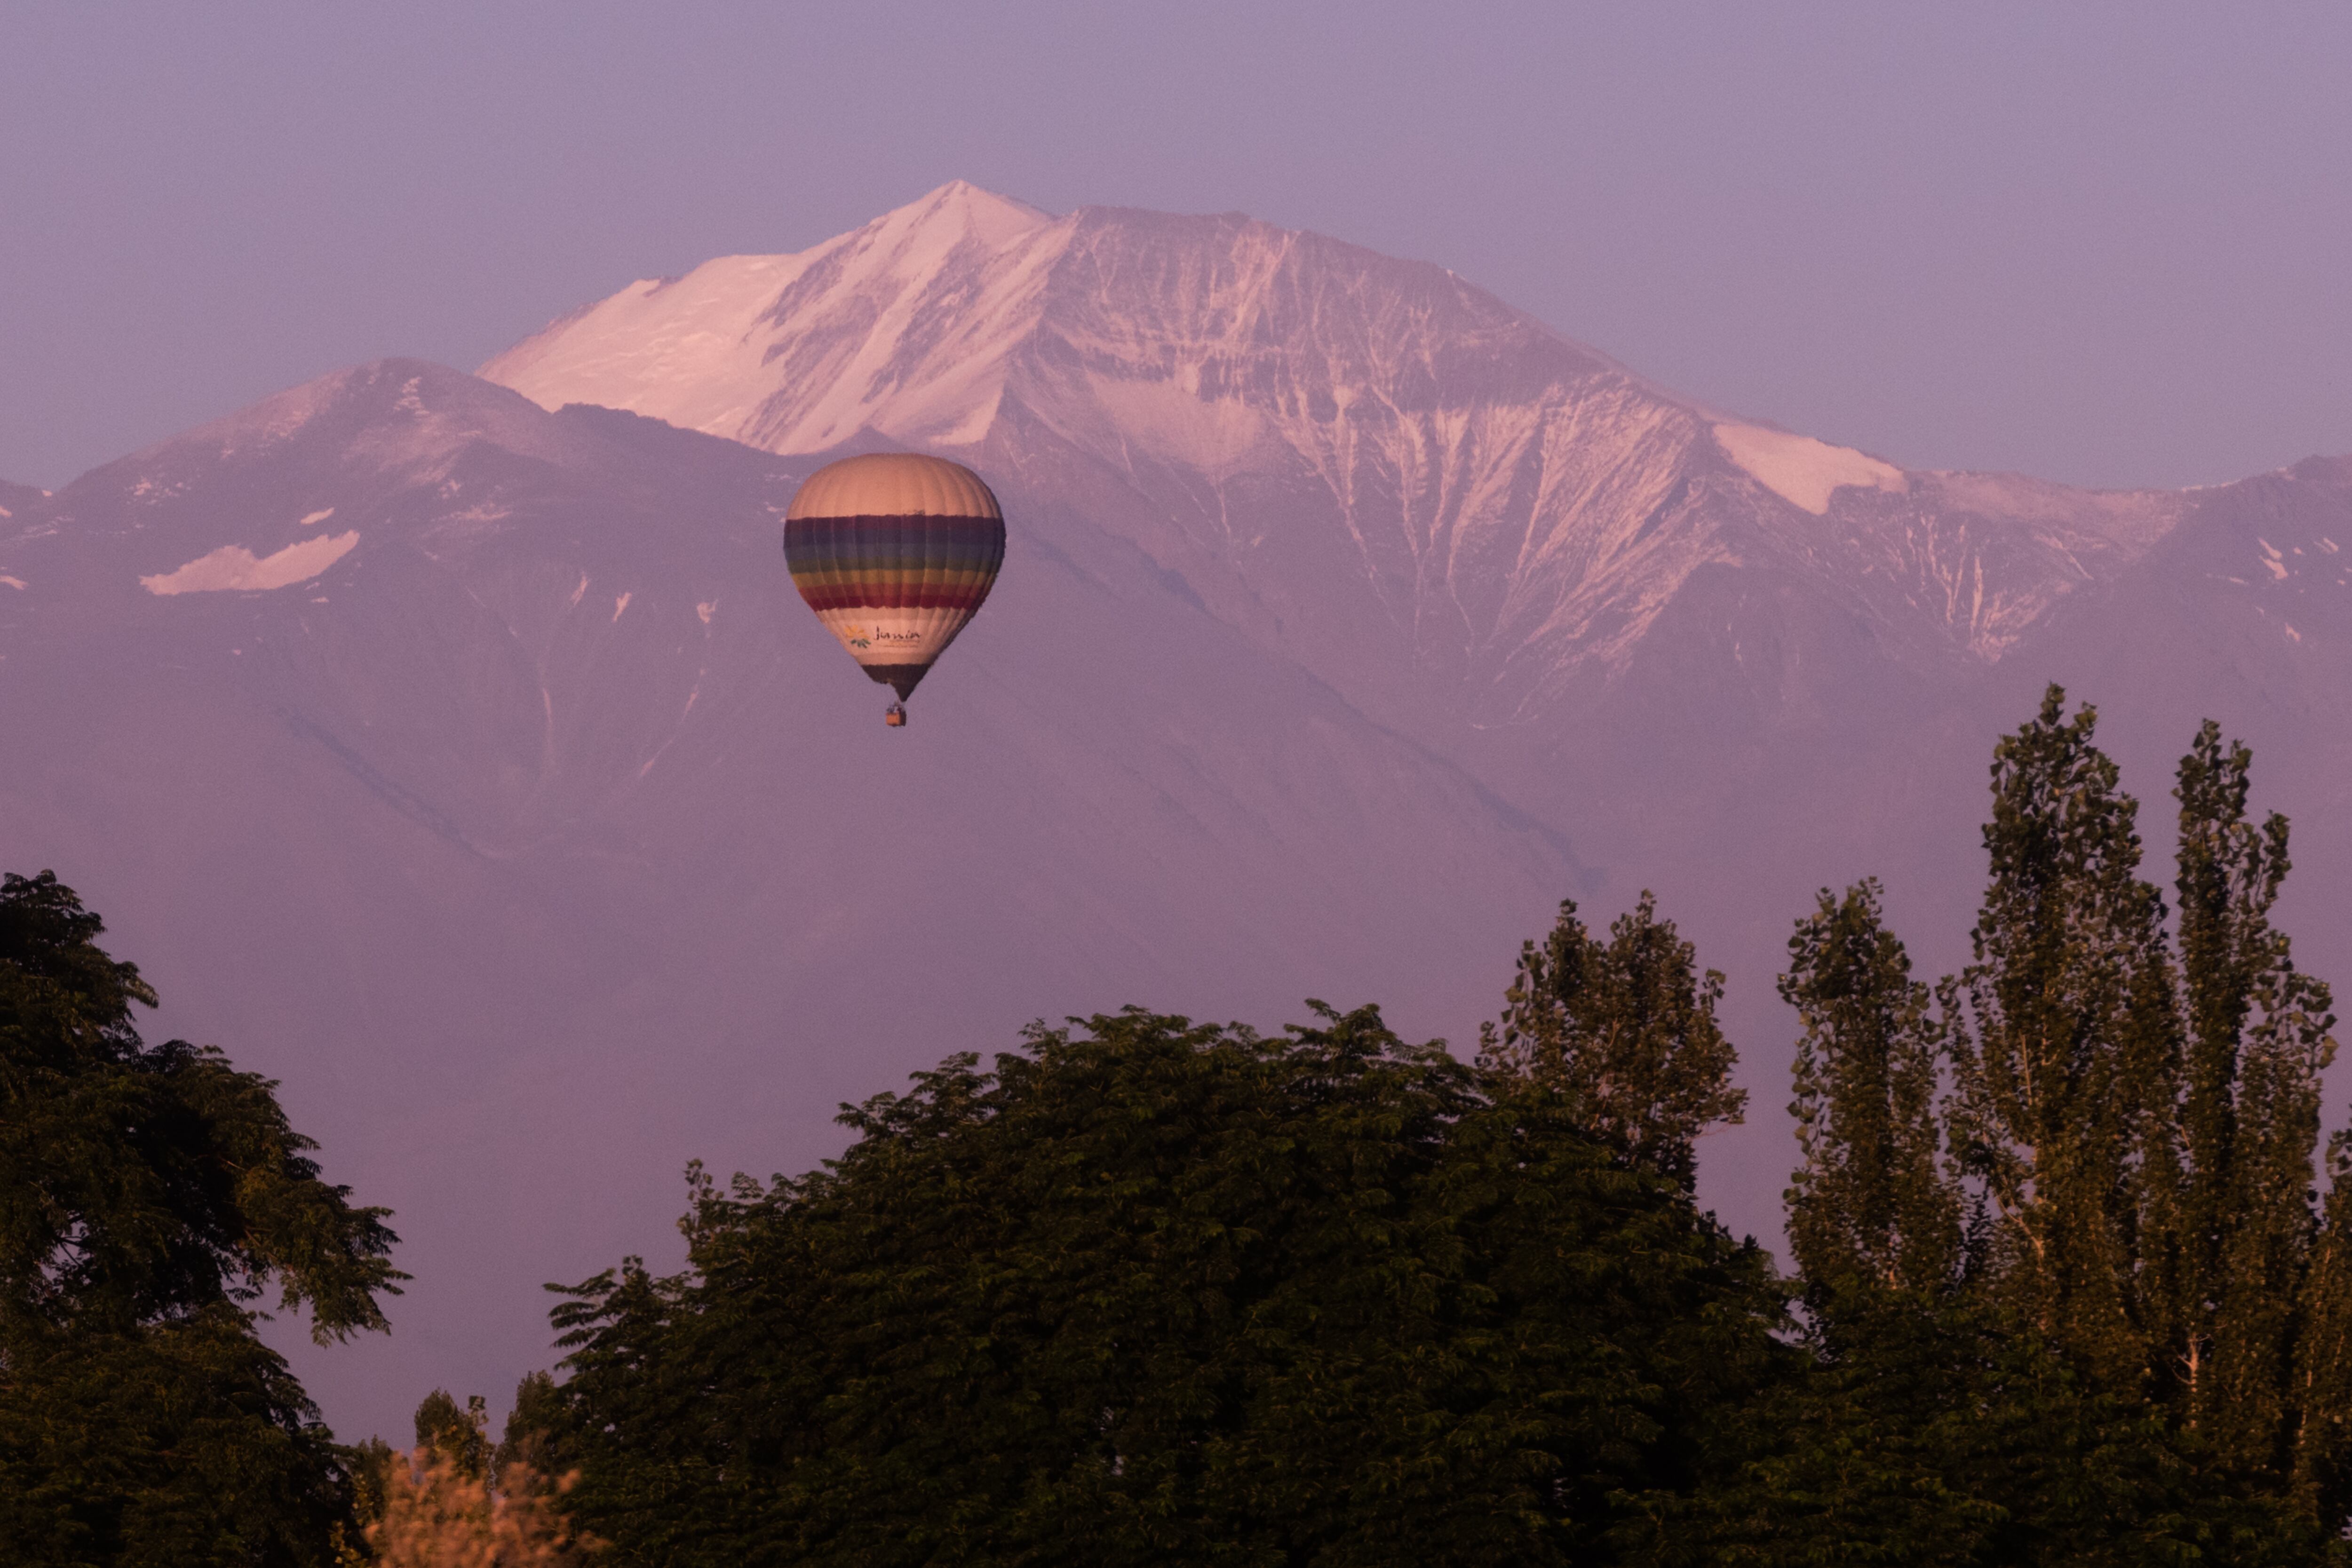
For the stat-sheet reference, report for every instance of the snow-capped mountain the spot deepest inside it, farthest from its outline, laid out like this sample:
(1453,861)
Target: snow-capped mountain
(457,749)
(1450,511)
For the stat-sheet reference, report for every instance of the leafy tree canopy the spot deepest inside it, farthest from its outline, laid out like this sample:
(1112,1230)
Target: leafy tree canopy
(148,1196)
(1625,1031)
(1148,1290)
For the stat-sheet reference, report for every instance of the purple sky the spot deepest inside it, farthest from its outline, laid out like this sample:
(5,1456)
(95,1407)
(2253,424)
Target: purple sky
(2104,243)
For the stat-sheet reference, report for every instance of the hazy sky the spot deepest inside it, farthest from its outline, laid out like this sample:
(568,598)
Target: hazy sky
(2109,244)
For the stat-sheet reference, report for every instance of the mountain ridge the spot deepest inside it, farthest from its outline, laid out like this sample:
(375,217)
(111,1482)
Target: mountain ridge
(1519,507)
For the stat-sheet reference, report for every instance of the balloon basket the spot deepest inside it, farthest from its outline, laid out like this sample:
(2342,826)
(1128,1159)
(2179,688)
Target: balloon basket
(895,716)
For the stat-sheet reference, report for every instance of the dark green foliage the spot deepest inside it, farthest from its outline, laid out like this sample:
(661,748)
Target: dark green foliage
(2242,1150)
(1873,1205)
(533,1435)
(461,1437)
(2067,1056)
(2322,1376)
(1159,1293)
(369,1465)
(2073,1302)
(139,1181)
(1942,1434)
(1626,1032)
(147,1195)
(184,1442)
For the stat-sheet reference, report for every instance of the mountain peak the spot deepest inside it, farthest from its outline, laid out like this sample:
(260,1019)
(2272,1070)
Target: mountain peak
(967,211)
(901,327)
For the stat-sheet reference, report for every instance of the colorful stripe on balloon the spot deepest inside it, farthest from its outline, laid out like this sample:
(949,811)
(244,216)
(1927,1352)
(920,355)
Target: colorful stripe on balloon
(894,563)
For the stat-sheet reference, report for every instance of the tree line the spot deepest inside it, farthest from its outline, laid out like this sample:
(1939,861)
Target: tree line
(2067,1241)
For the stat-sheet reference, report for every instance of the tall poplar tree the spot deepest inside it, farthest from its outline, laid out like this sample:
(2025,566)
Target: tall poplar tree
(1872,1206)
(2123,1219)
(2257,1041)
(2065,1057)
(1625,1032)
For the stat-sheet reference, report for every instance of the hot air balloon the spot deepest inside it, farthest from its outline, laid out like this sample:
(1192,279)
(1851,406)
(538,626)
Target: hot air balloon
(894,552)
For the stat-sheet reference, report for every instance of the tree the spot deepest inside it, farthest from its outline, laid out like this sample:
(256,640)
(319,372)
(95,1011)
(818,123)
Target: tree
(2111,1325)
(148,1196)
(2322,1374)
(1627,1032)
(1872,1204)
(533,1433)
(2065,1067)
(1148,1290)
(1939,1424)
(2247,1132)
(459,1438)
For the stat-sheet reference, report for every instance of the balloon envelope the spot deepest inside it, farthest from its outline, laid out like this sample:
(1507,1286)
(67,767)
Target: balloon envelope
(894,552)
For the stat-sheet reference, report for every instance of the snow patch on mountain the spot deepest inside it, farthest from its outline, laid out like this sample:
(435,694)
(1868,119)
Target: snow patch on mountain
(234,568)
(902,326)
(1801,470)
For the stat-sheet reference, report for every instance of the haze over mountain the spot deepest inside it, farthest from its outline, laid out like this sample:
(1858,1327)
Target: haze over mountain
(460,753)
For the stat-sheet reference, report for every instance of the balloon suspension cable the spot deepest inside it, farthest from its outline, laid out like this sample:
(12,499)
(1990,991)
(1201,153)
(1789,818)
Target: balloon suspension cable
(895,715)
